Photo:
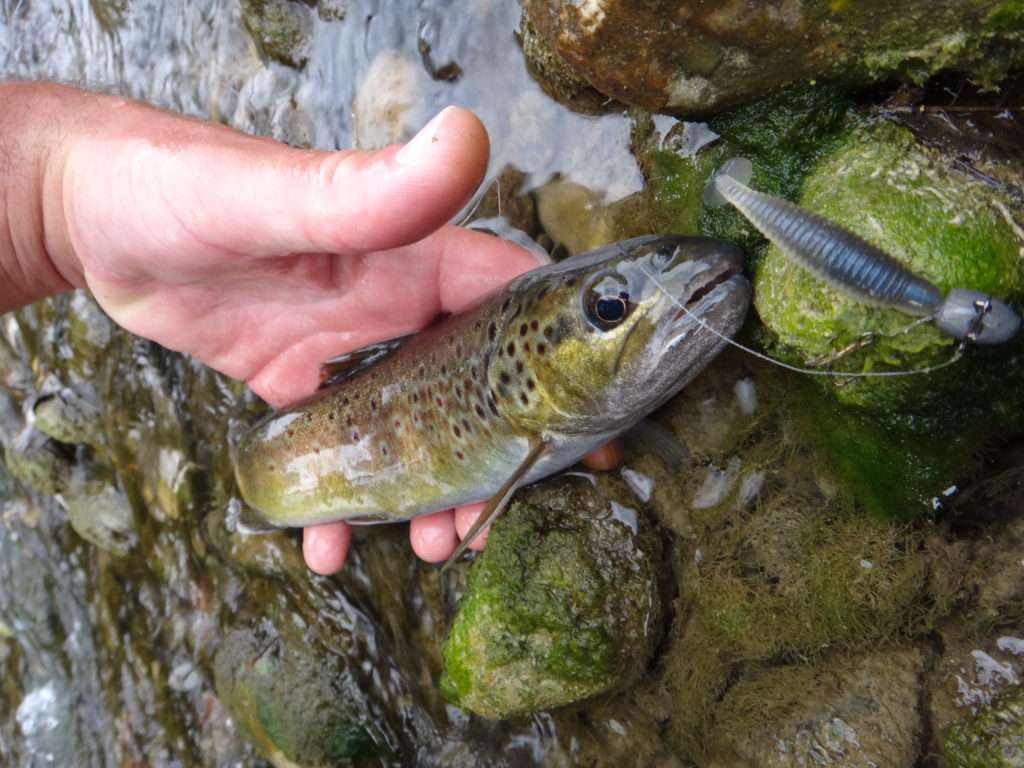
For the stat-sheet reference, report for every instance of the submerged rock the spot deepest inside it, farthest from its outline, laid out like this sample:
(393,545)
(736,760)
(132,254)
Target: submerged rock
(281,29)
(561,606)
(846,712)
(297,705)
(698,58)
(994,738)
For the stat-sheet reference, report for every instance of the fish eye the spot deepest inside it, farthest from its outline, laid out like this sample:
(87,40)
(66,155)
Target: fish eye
(607,310)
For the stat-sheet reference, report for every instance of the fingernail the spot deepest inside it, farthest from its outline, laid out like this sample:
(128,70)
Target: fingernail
(421,144)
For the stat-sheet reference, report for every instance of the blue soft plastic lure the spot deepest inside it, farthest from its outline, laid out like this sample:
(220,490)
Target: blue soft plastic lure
(854,266)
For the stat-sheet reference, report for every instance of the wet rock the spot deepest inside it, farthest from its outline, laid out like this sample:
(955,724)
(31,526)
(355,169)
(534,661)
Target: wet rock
(844,712)
(561,606)
(295,703)
(559,80)
(40,462)
(281,29)
(68,416)
(98,510)
(698,58)
(994,738)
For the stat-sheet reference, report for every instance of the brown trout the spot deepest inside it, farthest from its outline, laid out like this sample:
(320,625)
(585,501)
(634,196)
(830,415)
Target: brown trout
(522,385)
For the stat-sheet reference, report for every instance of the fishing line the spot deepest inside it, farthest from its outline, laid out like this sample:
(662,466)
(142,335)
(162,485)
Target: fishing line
(796,369)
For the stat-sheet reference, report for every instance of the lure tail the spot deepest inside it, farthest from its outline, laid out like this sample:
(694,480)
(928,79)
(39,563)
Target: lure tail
(738,168)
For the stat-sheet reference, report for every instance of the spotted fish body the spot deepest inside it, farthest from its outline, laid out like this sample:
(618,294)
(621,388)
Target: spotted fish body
(450,414)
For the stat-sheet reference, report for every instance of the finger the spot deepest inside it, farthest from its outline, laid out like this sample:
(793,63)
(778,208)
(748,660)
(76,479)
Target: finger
(325,547)
(464,519)
(473,264)
(608,456)
(433,536)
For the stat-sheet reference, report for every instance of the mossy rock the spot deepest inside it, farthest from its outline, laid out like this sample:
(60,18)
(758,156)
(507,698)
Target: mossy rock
(296,704)
(993,738)
(281,29)
(561,606)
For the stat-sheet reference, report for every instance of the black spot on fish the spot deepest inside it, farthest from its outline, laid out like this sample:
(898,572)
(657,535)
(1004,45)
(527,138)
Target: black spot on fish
(456,431)
(511,348)
(415,397)
(460,455)
(505,378)
(492,331)
(344,401)
(541,349)
(439,401)
(291,433)
(355,435)
(525,400)
(570,282)
(458,349)
(330,416)
(465,426)
(480,411)
(444,370)
(534,325)
(423,371)
(384,450)
(458,392)
(530,385)
(473,371)
(548,332)
(519,366)
(506,304)
(522,329)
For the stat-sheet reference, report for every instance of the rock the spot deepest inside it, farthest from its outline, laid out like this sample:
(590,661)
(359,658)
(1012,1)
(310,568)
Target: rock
(697,58)
(383,111)
(43,464)
(281,29)
(556,77)
(98,510)
(847,712)
(561,606)
(994,738)
(68,416)
(296,704)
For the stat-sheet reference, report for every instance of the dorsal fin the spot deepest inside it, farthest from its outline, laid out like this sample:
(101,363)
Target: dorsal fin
(343,367)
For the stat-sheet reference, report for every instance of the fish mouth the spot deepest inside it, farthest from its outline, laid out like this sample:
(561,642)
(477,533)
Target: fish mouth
(729,274)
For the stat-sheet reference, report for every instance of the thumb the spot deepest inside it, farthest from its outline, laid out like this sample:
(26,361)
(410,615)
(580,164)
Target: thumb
(202,196)
(358,201)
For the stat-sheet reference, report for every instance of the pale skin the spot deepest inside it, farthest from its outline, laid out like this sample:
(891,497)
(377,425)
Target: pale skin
(258,259)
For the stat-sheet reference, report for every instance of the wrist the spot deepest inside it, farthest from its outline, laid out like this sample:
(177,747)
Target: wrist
(36,260)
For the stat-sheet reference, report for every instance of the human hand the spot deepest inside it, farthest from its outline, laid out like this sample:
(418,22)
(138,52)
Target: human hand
(262,260)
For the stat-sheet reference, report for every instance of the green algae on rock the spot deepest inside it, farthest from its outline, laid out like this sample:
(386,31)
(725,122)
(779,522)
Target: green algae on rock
(561,606)
(993,738)
(296,705)
(696,58)
(281,29)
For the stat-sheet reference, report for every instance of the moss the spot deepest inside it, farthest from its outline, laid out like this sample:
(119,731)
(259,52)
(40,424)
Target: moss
(993,738)
(784,135)
(804,582)
(560,606)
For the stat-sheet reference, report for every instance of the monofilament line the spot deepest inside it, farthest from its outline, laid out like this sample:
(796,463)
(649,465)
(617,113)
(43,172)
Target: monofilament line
(796,369)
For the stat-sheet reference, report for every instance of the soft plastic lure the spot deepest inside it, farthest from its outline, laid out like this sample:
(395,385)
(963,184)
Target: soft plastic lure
(859,269)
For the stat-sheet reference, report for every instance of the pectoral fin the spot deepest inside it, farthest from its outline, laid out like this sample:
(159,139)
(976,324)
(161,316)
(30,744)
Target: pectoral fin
(338,369)
(497,503)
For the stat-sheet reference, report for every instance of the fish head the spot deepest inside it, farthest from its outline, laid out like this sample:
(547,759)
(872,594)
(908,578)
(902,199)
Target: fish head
(594,343)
